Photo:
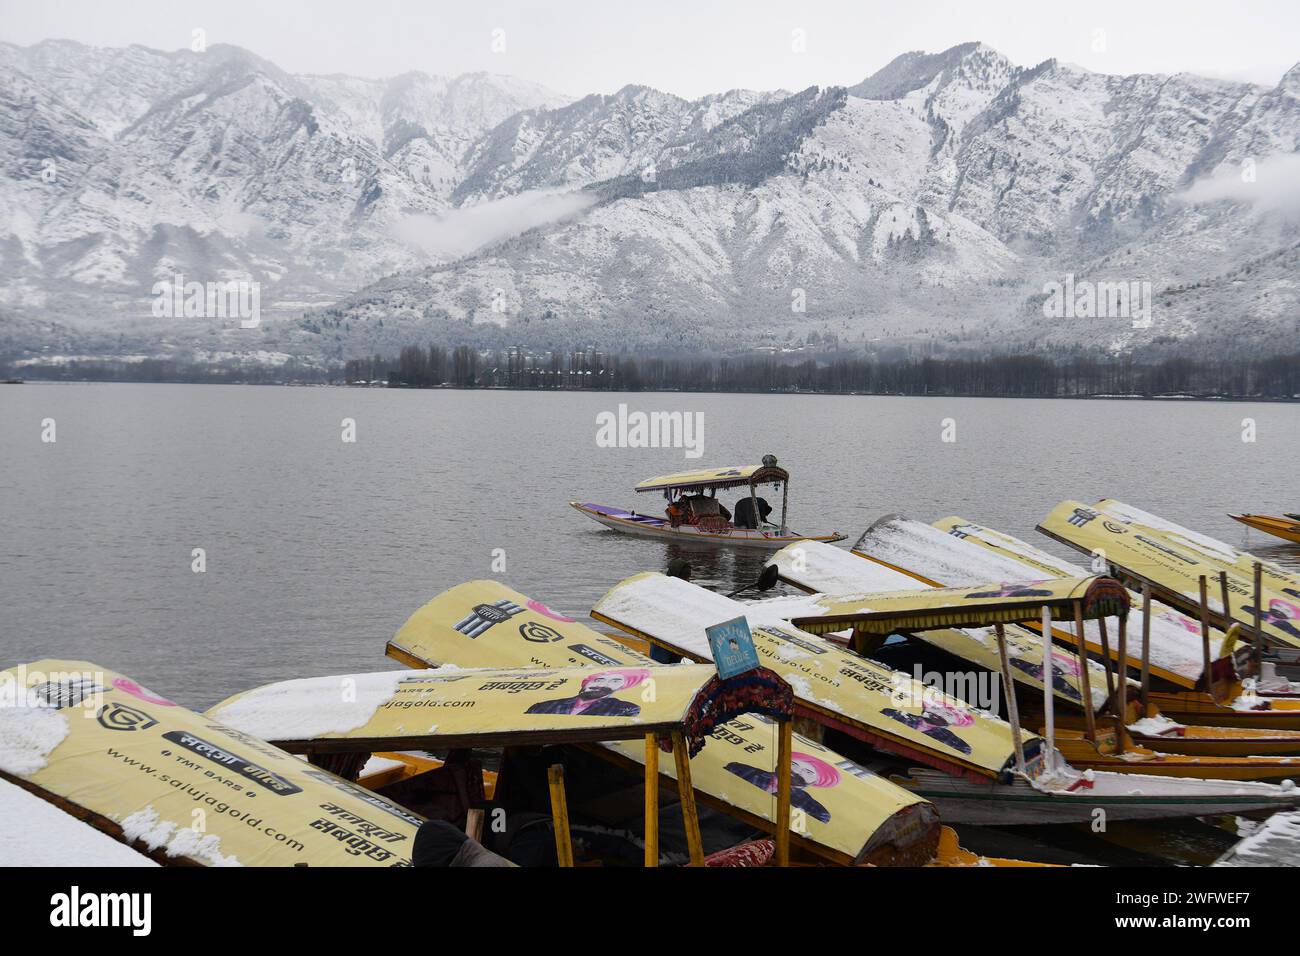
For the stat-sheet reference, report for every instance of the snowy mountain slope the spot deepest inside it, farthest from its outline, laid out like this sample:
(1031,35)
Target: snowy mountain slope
(937,199)
(219,165)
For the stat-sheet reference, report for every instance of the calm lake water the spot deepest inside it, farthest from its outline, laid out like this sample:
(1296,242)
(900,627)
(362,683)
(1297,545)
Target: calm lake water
(317,550)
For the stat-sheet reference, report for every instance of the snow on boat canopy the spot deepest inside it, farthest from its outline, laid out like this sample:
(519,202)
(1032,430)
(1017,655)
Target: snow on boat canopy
(62,740)
(971,767)
(1154,745)
(1170,559)
(694,512)
(832,686)
(526,707)
(826,569)
(955,552)
(495,707)
(977,605)
(849,815)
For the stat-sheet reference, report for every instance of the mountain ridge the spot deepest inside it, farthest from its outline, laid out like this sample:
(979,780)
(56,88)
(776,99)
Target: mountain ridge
(929,203)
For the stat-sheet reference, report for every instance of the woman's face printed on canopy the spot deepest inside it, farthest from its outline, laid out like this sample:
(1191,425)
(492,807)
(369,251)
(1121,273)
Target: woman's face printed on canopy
(804,774)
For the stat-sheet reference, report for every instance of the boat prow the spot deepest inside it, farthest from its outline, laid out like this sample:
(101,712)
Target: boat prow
(652,526)
(1287,528)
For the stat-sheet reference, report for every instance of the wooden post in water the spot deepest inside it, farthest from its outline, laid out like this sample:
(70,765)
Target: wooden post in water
(1049,692)
(1009,689)
(1089,717)
(1122,676)
(560,815)
(1105,657)
(1205,633)
(1224,597)
(1259,619)
(474,825)
(1146,649)
(784,756)
(651,800)
(686,794)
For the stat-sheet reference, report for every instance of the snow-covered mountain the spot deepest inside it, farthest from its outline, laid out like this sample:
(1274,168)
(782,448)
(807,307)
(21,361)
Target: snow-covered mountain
(936,200)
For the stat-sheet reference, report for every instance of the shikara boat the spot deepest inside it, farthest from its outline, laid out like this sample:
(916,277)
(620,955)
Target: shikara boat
(1173,655)
(848,814)
(1171,559)
(138,767)
(977,768)
(678,710)
(1288,528)
(1262,600)
(694,514)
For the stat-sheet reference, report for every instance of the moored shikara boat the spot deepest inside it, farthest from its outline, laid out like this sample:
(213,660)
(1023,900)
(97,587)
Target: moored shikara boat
(979,769)
(1288,528)
(882,614)
(1170,559)
(961,552)
(848,815)
(1262,600)
(138,767)
(678,709)
(695,515)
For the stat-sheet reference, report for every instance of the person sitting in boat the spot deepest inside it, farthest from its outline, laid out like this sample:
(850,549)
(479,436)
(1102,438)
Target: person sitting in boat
(805,771)
(745,516)
(676,512)
(707,513)
(596,695)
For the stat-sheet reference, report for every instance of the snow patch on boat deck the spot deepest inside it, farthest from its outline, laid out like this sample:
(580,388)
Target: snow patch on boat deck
(312,707)
(147,826)
(34,832)
(1276,842)
(29,733)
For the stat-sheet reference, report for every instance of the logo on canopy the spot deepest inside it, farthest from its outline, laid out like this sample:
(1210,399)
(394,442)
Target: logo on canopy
(121,717)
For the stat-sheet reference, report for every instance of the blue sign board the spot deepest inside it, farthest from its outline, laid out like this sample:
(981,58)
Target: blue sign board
(733,647)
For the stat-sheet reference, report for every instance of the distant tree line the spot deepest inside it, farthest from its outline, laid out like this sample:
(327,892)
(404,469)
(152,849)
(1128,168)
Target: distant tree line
(1020,376)
(1012,376)
(169,370)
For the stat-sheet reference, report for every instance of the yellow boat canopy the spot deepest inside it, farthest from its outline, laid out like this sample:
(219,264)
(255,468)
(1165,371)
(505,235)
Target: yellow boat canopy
(1172,560)
(822,568)
(716,478)
(181,787)
(1176,653)
(892,612)
(891,710)
(1212,549)
(493,707)
(849,814)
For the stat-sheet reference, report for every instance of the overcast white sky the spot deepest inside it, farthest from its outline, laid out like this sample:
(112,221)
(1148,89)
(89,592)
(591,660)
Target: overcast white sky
(688,47)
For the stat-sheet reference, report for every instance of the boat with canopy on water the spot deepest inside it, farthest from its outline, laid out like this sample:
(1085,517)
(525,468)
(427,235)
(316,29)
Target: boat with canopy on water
(694,513)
